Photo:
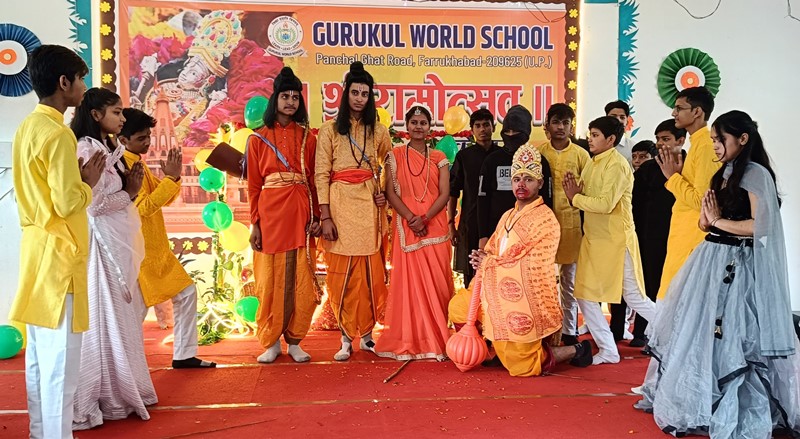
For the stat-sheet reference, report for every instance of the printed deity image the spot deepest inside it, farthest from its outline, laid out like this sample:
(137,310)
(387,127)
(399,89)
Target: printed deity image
(201,65)
(194,71)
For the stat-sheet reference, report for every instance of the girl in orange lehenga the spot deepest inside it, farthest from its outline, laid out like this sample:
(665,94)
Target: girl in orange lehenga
(418,187)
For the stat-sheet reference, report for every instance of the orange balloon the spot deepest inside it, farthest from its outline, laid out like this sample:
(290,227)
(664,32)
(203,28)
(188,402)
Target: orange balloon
(455,119)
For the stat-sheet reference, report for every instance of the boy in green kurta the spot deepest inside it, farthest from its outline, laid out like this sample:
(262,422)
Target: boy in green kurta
(609,267)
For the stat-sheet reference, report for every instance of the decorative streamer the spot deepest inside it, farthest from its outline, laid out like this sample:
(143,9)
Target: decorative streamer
(81,31)
(16,43)
(627,66)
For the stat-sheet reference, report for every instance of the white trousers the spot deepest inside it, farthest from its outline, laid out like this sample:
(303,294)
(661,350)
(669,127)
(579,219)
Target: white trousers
(52,370)
(569,304)
(184,309)
(596,321)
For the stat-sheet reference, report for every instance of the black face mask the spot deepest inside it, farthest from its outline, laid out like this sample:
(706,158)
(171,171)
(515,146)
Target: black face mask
(514,141)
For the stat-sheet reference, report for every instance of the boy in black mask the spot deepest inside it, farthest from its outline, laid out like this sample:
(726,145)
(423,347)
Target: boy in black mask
(494,190)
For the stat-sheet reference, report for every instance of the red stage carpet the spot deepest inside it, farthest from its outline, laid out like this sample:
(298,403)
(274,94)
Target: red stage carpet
(349,400)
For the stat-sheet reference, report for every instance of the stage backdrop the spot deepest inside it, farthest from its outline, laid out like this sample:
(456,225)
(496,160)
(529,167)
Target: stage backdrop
(195,65)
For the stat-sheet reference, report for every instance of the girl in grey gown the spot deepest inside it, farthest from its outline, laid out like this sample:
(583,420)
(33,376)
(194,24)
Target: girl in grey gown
(726,358)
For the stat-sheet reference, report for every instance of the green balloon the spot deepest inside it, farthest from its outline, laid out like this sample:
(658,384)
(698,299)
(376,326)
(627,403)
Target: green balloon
(211,179)
(10,341)
(254,112)
(449,147)
(217,216)
(246,308)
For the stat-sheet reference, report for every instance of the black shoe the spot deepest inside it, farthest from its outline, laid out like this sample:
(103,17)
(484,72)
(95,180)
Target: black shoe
(646,351)
(192,363)
(569,340)
(583,354)
(637,343)
(492,362)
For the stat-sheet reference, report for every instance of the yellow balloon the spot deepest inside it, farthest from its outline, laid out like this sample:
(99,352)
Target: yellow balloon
(455,119)
(384,117)
(239,139)
(235,238)
(21,327)
(200,159)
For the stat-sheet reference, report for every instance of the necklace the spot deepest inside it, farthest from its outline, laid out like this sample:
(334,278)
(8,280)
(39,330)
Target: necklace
(425,166)
(353,149)
(514,221)
(275,136)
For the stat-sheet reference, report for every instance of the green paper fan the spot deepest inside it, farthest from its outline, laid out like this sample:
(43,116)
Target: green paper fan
(686,68)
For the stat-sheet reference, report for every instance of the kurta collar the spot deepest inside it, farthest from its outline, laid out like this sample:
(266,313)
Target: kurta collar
(131,156)
(549,144)
(49,112)
(491,148)
(537,202)
(356,122)
(287,127)
(702,132)
(604,155)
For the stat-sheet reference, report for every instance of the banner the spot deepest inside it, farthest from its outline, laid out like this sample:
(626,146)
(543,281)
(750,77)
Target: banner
(195,65)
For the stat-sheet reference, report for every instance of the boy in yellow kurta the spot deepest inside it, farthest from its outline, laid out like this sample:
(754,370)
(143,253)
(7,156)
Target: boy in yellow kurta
(162,276)
(609,267)
(350,152)
(517,283)
(688,182)
(53,190)
(565,156)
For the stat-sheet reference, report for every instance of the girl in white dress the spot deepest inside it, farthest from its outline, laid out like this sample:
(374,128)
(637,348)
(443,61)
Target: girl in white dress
(114,378)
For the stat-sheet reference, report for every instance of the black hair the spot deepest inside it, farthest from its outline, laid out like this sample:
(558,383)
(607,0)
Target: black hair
(418,108)
(618,104)
(669,125)
(736,123)
(647,146)
(357,75)
(698,97)
(135,121)
(561,111)
(481,115)
(83,124)
(286,81)
(48,63)
(609,125)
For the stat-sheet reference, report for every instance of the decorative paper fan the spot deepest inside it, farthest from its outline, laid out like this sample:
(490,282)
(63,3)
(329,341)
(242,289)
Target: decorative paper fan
(16,42)
(686,68)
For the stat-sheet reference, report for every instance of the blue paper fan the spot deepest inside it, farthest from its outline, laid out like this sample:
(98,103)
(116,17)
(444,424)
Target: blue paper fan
(13,40)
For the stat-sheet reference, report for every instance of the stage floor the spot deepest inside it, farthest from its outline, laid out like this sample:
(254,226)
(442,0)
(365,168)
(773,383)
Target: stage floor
(330,399)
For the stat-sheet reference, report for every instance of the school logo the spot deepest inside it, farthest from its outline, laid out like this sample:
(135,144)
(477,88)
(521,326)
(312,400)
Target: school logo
(286,35)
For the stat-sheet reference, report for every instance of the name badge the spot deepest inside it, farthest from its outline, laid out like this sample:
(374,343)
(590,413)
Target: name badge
(504,178)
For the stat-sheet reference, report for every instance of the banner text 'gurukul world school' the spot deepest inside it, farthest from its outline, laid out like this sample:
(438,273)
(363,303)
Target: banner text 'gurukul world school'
(431,36)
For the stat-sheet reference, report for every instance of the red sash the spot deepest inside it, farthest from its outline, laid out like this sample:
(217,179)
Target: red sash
(352,176)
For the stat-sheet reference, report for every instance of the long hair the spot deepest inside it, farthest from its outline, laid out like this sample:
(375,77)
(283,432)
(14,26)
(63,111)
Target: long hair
(357,75)
(83,124)
(271,115)
(286,81)
(737,123)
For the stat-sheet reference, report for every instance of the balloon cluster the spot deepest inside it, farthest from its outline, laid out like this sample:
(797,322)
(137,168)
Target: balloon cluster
(217,215)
